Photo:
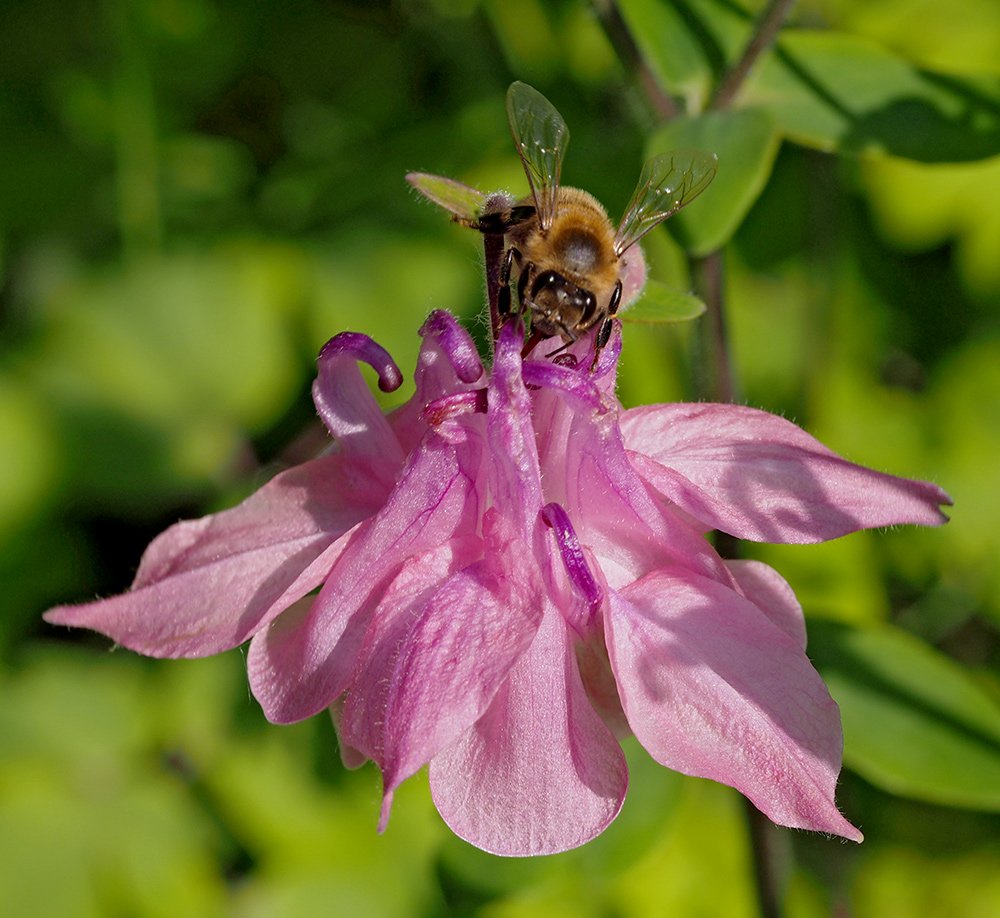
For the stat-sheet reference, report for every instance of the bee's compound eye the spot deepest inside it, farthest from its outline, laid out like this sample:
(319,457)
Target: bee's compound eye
(546,279)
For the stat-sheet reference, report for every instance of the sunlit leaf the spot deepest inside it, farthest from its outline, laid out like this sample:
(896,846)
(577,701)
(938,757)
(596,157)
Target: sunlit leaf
(660,305)
(840,92)
(960,36)
(915,723)
(668,46)
(745,143)
(29,459)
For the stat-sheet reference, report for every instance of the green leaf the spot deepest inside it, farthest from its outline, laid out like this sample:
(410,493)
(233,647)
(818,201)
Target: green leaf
(669,47)
(843,93)
(915,723)
(659,304)
(746,143)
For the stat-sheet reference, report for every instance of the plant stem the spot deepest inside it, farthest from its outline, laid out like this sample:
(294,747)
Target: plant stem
(766,30)
(766,842)
(493,253)
(134,120)
(493,256)
(718,381)
(767,860)
(628,51)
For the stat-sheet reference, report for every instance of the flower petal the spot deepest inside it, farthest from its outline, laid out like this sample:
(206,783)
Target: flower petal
(760,477)
(362,722)
(515,474)
(298,668)
(579,604)
(471,631)
(206,585)
(614,513)
(456,344)
(540,772)
(350,757)
(770,593)
(711,687)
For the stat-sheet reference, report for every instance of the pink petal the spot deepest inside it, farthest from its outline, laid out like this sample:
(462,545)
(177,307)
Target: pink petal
(440,685)
(461,648)
(633,275)
(455,344)
(711,687)
(540,772)
(363,720)
(581,602)
(770,593)
(350,757)
(206,585)
(297,668)
(515,475)
(614,513)
(759,477)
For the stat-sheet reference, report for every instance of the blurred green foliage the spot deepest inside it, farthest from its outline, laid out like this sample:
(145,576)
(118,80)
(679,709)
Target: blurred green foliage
(195,195)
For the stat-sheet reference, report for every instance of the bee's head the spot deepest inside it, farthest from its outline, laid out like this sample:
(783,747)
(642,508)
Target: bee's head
(560,307)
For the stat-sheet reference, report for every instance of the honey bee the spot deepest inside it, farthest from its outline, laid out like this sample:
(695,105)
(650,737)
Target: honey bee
(568,258)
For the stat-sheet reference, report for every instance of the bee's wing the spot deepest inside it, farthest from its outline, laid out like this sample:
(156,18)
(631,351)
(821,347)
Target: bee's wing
(541,136)
(667,183)
(463,201)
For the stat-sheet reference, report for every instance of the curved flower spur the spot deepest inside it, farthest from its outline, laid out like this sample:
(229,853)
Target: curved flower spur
(508,573)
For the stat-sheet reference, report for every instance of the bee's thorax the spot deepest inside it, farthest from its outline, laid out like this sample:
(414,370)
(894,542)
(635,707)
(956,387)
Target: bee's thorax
(577,249)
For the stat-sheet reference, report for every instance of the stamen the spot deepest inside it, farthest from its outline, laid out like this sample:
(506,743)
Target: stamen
(538,374)
(575,562)
(474,401)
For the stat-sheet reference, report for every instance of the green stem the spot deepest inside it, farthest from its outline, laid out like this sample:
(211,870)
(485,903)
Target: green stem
(765,31)
(768,859)
(139,217)
(767,843)
(631,56)
(719,380)
(718,376)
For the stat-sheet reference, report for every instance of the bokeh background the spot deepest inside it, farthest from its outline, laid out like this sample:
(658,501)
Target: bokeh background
(196,194)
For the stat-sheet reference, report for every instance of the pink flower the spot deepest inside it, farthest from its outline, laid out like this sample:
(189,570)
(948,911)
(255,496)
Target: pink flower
(513,572)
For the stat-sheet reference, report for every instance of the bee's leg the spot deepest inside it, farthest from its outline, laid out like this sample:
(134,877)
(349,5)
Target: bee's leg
(499,222)
(601,339)
(503,296)
(522,284)
(529,345)
(562,347)
(603,335)
(616,300)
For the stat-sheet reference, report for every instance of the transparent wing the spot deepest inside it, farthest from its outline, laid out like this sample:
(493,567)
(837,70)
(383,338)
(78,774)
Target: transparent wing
(667,183)
(463,201)
(541,136)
